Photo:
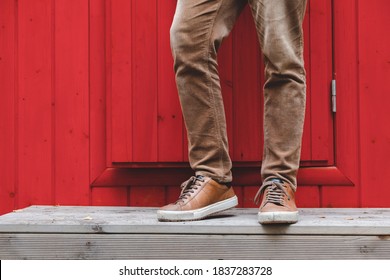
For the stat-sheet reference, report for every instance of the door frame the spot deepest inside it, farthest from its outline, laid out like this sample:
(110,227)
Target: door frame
(342,173)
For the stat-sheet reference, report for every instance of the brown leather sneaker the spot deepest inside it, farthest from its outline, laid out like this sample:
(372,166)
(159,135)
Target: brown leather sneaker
(200,197)
(278,205)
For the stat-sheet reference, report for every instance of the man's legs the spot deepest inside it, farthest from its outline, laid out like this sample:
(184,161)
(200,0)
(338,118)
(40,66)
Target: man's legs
(196,34)
(279,28)
(197,31)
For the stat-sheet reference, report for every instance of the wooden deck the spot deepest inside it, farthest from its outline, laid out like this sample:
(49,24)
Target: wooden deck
(65,232)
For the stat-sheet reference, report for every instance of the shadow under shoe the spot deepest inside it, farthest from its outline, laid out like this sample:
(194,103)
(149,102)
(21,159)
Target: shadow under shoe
(278,204)
(200,197)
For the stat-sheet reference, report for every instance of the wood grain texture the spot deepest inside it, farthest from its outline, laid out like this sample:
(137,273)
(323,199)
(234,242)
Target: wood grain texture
(308,197)
(71,102)
(175,174)
(97,90)
(347,154)
(135,233)
(110,196)
(172,246)
(247,109)
(306,151)
(144,84)
(241,221)
(140,54)
(225,69)
(374,70)
(120,60)
(320,78)
(148,196)
(170,123)
(35,126)
(8,110)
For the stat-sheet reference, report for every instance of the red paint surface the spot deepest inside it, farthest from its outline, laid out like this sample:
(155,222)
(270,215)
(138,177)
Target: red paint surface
(88,85)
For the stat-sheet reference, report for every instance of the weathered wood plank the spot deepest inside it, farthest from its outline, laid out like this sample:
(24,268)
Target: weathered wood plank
(178,246)
(66,232)
(132,220)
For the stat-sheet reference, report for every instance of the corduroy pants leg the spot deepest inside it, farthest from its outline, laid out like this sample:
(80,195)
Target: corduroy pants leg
(197,31)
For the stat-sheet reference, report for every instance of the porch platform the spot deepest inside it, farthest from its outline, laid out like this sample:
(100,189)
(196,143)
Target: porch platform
(67,232)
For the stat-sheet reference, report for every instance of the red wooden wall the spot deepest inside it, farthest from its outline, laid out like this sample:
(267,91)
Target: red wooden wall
(89,113)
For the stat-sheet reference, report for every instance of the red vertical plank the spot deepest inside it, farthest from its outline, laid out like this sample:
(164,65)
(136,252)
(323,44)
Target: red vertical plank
(97,88)
(7,106)
(72,102)
(249,193)
(347,118)
(308,197)
(108,81)
(246,86)
(346,68)
(35,102)
(147,196)
(120,21)
(321,76)
(185,144)
(239,191)
(225,65)
(101,196)
(170,123)
(374,89)
(172,193)
(306,137)
(339,196)
(110,196)
(144,54)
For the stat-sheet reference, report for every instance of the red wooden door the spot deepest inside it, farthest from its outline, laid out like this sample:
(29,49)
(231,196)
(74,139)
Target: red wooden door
(146,117)
(145,123)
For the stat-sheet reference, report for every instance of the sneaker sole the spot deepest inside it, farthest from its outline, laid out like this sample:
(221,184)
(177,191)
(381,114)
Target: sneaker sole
(198,214)
(278,217)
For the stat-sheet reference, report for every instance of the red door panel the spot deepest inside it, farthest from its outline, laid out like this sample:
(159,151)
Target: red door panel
(146,122)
